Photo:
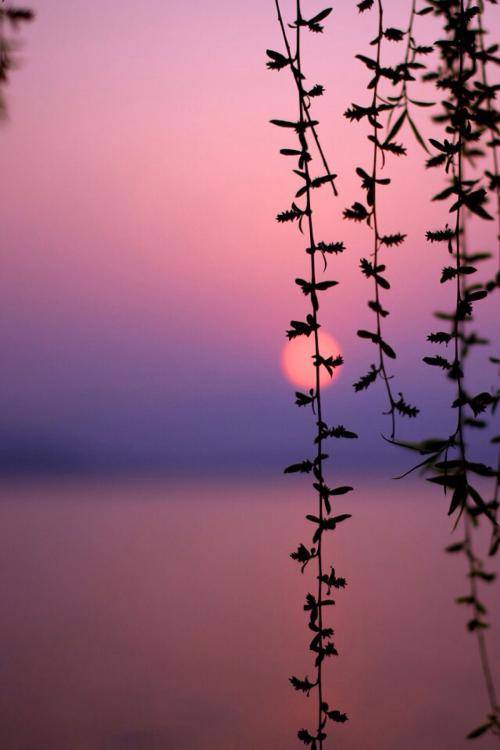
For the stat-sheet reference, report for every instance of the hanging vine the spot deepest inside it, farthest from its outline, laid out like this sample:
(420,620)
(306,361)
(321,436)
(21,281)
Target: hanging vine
(370,182)
(487,115)
(301,212)
(402,101)
(448,458)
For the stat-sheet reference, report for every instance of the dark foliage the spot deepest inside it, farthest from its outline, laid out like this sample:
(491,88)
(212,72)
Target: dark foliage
(466,119)
(366,212)
(323,521)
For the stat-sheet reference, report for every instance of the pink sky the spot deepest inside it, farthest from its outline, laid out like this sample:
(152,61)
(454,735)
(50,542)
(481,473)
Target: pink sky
(141,262)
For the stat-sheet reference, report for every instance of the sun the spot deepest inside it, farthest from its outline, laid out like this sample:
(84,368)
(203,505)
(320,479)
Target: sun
(297,362)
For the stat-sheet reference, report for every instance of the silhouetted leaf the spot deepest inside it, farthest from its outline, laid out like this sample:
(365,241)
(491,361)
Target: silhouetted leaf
(314,23)
(394,35)
(440,337)
(392,239)
(337,716)
(405,409)
(341,432)
(304,686)
(366,380)
(277,60)
(440,235)
(479,731)
(357,212)
(304,467)
(437,362)
(302,399)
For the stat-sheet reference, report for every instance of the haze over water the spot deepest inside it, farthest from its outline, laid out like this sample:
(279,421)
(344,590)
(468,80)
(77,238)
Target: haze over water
(155,614)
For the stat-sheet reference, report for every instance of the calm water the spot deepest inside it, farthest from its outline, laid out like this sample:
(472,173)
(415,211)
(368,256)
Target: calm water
(152,615)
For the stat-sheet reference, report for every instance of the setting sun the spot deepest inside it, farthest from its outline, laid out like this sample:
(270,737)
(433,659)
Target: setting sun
(297,362)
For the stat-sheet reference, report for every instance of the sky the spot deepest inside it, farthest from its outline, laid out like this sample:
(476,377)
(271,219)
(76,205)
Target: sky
(145,285)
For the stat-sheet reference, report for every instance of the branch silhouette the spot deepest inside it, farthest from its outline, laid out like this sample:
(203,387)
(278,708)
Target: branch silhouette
(371,182)
(447,458)
(305,128)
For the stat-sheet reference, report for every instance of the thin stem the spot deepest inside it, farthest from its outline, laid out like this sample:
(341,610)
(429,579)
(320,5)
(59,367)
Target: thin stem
(403,95)
(457,327)
(376,236)
(300,90)
(458,335)
(492,134)
(319,454)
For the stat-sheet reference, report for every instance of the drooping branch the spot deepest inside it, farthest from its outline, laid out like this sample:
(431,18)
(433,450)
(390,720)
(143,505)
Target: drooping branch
(370,182)
(302,212)
(448,459)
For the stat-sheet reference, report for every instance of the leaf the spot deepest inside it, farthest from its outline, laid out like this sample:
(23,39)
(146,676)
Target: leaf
(300,328)
(437,362)
(377,308)
(394,35)
(277,61)
(422,104)
(330,247)
(337,716)
(313,23)
(394,148)
(440,235)
(357,212)
(305,737)
(356,112)
(324,285)
(316,90)
(283,123)
(457,547)
(304,467)
(301,399)
(329,363)
(447,480)
(479,731)
(392,239)
(435,161)
(476,497)
(366,380)
(366,335)
(440,337)
(381,281)
(474,201)
(341,491)
(388,350)
(417,135)
(448,273)
(341,432)
(405,409)
(343,517)
(292,215)
(397,126)
(302,556)
(304,686)
(476,296)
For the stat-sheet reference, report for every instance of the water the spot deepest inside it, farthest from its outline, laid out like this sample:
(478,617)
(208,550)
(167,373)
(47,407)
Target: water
(166,615)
